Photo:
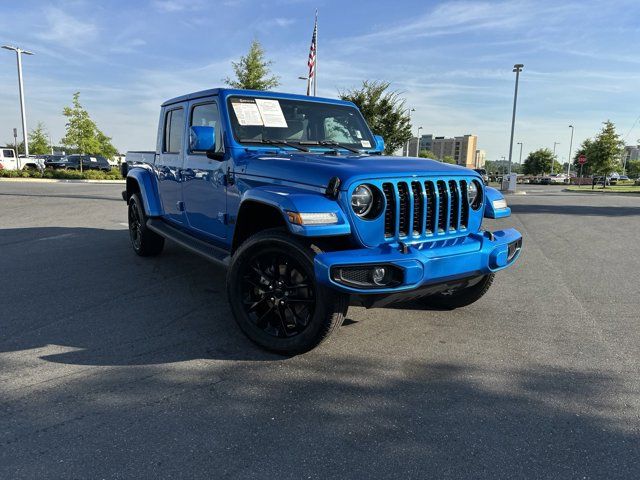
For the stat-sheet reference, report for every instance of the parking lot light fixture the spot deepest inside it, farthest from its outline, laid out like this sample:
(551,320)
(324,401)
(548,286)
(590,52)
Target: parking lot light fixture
(19,52)
(517,68)
(520,158)
(569,159)
(409,110)
(554,155)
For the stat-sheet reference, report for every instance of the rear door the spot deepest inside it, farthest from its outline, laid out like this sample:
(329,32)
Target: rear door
(169,162)
(204,188)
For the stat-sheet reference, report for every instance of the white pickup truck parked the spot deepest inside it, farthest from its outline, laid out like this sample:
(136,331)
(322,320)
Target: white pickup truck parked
(8,159)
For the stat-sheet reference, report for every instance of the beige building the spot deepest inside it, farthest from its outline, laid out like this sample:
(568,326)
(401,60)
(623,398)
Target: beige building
(461,149)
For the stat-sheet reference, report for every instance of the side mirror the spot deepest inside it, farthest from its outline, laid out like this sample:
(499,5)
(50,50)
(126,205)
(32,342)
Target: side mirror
(379,143)
(202,139)
(495,206)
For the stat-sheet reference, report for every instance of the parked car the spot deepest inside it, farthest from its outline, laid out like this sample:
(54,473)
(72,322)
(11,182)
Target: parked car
(72,162)
(294,196)
(8,159)
(623,178)
(604,180)
(558,178)
(483,174)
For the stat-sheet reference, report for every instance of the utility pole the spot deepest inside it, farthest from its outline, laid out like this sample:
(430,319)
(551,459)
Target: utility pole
(517,68)
(19,53)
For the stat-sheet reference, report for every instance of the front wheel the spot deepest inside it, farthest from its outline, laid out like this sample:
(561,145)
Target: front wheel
(462,296)
(275,298)
(145,242)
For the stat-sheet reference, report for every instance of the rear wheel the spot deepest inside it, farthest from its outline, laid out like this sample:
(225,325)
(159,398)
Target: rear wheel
(462,296)
(275,297)
(145,242)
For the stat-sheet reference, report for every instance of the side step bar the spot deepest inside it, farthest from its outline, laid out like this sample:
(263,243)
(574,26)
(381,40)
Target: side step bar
(208,251)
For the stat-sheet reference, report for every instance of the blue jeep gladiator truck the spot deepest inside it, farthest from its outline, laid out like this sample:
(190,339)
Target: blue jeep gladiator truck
(295,197)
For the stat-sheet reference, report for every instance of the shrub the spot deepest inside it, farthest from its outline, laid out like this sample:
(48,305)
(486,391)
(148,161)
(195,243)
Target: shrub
(114,174)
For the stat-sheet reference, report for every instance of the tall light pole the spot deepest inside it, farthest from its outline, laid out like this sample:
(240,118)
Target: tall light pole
(569,160)
(554,155)
(19,53)
(520,159)
(418,143)
(517,68)
(409,110)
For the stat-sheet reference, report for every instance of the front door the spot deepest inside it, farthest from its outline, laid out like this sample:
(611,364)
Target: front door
(204,188)
(169,164)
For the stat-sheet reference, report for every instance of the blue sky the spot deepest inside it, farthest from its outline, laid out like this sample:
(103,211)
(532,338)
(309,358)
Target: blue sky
(451,60)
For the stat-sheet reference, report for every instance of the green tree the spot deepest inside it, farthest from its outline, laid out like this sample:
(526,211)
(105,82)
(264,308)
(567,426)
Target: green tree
(539,162)
(384,110)
(252,72)
(603,152)
(448,159)
(82,134)
(633,168)
(427,154)
(39,140)
(106,147)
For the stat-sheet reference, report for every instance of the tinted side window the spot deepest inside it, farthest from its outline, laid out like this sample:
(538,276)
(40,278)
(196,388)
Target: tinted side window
(173,128)
(206,115)
(7,153)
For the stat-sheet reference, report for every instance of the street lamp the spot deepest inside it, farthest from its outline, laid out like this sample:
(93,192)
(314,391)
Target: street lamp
(409,110)
(418,143)
(554,155)
(520,160)
(19,53)
(517,68)
(569,159)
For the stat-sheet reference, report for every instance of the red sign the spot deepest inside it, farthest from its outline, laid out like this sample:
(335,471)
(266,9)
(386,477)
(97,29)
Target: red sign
(582,159)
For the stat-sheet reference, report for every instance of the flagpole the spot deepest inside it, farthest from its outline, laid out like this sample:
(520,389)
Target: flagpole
(315,69)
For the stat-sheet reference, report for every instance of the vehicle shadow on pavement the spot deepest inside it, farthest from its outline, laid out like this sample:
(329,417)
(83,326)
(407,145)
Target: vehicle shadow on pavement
(85,292)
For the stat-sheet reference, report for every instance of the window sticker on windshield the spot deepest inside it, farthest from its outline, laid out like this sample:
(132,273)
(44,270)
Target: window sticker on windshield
(365,143)
(247,113)
(358,134)
(271,113)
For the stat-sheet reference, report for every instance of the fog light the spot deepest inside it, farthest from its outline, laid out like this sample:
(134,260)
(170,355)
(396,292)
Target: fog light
(379,275)
(514,248)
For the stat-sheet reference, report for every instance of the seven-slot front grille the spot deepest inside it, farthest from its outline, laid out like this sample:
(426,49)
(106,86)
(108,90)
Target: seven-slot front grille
(425,208)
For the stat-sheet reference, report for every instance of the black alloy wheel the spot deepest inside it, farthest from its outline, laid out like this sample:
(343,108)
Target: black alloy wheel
(278,295)
(275,296)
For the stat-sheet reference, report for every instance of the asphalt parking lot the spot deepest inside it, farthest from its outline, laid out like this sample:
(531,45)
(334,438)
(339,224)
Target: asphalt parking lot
(115,366)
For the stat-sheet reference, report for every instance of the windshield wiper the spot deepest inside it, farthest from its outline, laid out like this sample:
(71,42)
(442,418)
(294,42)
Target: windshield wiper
(268,141)
(331,143)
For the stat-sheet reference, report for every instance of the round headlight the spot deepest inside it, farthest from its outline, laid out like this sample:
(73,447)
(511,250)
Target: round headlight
(362,200)
(474,194)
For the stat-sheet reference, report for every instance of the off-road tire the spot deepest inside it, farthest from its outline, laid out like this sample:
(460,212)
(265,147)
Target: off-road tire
(145,242)
(460,297)
(274,251)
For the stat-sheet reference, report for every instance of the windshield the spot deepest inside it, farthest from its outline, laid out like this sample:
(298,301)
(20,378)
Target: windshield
(258,120)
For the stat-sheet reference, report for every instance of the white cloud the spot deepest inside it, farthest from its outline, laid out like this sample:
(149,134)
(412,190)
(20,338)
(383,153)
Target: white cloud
(66,30)
(170,6)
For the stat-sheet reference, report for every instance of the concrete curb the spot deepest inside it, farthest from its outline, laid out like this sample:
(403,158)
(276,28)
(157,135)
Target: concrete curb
(600,192)
(59,180)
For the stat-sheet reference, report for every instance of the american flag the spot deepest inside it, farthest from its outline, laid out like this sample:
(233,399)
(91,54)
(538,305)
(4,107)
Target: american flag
(312,59)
